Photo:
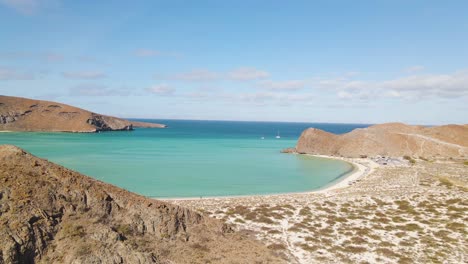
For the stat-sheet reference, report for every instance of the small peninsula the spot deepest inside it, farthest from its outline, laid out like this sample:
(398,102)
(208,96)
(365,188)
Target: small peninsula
(29,115)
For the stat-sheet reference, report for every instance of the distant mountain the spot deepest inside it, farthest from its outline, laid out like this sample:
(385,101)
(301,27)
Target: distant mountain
(49,214)
(390,139)
(21,114)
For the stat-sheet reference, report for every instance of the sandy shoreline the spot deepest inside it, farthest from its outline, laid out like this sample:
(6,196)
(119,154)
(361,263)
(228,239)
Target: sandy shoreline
(361,167)
(399,213)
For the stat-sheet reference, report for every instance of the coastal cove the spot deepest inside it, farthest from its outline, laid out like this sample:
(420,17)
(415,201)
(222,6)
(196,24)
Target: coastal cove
(193,158)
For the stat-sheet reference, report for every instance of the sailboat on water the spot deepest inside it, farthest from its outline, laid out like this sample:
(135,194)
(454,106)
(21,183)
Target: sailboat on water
(278,135)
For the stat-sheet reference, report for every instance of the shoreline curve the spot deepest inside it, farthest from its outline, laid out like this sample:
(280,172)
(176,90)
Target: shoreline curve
(361,168)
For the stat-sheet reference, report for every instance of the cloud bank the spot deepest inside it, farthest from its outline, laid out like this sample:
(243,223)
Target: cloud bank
(84,75)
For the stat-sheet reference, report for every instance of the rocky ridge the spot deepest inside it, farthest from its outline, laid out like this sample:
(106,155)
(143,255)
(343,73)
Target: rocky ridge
(21,114)
(390,139)
(49,214)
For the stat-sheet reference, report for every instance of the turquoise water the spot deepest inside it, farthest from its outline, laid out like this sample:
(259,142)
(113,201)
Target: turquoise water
(192,158)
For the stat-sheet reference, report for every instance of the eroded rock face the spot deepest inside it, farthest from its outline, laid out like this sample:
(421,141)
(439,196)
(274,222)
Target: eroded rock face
(49,214)
(21,114)
(391,139)
(103,123)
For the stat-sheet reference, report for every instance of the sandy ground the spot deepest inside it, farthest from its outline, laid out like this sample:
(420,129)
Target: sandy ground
(378,214)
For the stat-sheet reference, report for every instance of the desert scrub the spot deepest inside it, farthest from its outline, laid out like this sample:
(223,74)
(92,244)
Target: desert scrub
(307,247)
(274,231)
(409,159)
(266,220)
(444,181)
(124,229)
(200,247)
(457,227)
(239,220)
(387,252)
(70,230)
(277,247)
(239,210)
(305,211)
(83,250)
(354,249)
(465,163)
(411,227)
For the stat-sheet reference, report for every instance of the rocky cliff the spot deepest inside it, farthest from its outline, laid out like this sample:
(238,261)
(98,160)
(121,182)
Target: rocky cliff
(49,214)
(391,139)
(21,114)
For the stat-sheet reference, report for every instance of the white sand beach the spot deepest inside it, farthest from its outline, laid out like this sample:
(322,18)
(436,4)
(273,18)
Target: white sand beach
(377,214)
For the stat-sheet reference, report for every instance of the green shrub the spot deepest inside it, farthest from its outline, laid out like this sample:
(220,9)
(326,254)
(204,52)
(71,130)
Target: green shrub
(410,159)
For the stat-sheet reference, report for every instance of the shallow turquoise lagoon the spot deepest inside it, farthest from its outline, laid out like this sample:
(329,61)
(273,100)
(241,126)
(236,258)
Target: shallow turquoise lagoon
(192,158)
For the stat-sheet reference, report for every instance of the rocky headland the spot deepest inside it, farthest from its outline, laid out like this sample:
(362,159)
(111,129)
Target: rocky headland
(390,140)
(21,114)
(49,214)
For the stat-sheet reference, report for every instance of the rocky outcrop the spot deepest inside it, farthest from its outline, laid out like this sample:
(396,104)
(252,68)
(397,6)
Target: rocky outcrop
(49,214)
(391,139)
(21,114)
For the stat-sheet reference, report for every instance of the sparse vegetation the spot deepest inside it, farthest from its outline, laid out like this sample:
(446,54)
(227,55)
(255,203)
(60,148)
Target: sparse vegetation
(423,158)
(124,229)
(277,246)
(83,249)
(342,228)
(409,159)
(72,230)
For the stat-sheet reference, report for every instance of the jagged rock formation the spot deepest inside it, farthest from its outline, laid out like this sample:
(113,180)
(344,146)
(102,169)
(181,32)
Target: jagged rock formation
(391,139)
(21,114)
(49,214)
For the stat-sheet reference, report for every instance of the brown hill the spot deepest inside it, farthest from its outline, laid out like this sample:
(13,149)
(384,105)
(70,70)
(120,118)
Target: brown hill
(49,214)
(21,114)
(390,139)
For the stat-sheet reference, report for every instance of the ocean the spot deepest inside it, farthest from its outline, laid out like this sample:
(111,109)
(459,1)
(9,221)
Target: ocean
(192,158)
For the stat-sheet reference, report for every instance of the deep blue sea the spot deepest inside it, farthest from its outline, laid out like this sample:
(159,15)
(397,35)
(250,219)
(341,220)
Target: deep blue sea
(192,158)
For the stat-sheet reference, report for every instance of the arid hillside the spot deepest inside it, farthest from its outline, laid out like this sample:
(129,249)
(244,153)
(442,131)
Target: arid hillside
(21,114)
(391,139)
(49,214)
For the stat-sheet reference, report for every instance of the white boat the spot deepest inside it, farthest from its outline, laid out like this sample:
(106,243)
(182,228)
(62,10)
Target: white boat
(278,135)
(262,138)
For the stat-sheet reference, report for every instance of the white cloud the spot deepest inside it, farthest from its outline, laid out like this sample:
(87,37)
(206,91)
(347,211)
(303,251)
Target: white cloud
(28,7)
(452,85)
(247,74)
(162,89)
(414,69)
(283,85)
(344,95)
(53,57)
(199,75)
(89,89)
(204,75)
(41,56)
(92,89)
(255,98)
(146,53)
(9,74)
(84,75)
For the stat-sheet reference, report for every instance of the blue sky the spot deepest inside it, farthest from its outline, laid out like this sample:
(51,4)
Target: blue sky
(312,61)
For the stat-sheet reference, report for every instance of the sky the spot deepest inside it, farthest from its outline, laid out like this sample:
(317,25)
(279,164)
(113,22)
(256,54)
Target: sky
(299,61)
